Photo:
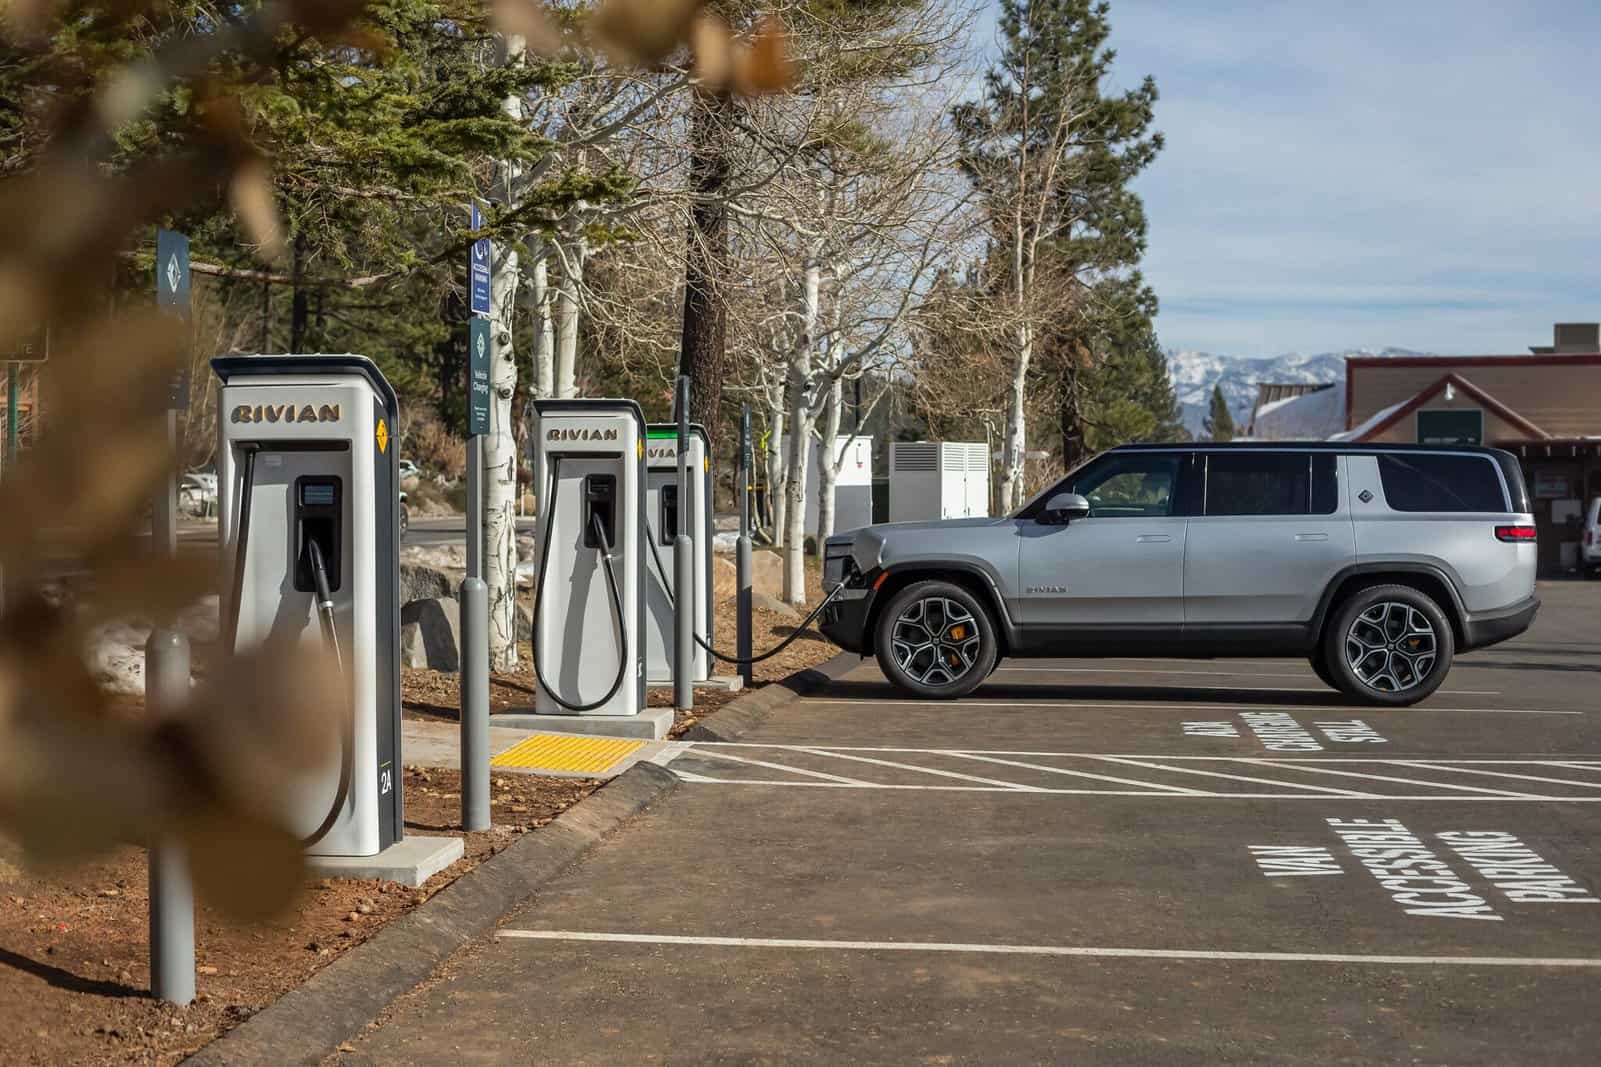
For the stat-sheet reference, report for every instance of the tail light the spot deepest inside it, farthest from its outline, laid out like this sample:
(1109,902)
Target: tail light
(1514,533)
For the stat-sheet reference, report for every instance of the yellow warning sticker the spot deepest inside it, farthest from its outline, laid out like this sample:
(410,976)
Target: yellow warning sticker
(565,752)
(381,434)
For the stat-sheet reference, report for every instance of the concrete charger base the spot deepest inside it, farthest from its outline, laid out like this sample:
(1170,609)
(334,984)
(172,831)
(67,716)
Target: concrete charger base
(651,724)
(410,861)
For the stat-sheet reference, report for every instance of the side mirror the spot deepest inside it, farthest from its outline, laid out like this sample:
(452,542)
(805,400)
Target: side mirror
(1063,508)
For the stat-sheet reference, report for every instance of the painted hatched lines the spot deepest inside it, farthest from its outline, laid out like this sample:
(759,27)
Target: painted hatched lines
(567,752)
(1136,775)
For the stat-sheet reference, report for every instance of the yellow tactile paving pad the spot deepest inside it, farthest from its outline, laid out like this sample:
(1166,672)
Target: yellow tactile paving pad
(567,752)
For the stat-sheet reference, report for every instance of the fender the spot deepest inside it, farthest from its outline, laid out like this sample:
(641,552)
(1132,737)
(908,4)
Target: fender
(1455,610)
(1009,631)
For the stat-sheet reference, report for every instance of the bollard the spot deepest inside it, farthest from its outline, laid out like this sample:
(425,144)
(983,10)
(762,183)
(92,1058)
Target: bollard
(475,813)
(172,896)
(683,567)
(742,558)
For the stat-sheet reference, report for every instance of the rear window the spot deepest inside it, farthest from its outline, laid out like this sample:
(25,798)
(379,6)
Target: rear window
(1441,483)
(1270,483)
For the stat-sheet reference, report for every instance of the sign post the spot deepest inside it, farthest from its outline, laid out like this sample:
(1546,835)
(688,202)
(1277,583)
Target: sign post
(474,594)
(684,566)
(742,556)
(172,897)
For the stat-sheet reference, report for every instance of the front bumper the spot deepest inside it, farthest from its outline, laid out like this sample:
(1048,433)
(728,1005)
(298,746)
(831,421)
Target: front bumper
(1490,628)
(844,622)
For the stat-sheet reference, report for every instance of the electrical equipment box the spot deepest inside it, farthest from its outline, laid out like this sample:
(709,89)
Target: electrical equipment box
(938,480)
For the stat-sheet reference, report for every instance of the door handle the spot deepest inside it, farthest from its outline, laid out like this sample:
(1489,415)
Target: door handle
(1152,539)
(1311,537)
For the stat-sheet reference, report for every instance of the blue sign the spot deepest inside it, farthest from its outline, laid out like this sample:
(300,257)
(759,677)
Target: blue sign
(478,267)
(479,349)
(172,293)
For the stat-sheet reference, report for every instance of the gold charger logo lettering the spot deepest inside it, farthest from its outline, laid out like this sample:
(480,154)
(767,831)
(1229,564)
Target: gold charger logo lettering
(268,413)
(580,433)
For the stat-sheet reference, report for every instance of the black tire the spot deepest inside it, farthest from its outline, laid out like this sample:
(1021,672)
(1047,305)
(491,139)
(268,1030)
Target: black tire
(1397,626)
(928,671)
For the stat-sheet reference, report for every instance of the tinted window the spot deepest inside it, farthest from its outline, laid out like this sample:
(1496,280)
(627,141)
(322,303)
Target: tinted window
(1130,485)
(1441,483)
(1259,483)
(1325,484)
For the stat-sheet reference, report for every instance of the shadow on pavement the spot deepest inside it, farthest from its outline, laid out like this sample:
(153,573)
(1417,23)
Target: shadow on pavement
(1177,694)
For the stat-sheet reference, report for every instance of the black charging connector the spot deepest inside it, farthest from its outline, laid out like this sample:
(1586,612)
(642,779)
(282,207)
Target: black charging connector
(318,518)
(600,503)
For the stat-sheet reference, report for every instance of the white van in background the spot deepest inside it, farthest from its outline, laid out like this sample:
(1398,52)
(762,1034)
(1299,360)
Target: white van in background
(1590,549)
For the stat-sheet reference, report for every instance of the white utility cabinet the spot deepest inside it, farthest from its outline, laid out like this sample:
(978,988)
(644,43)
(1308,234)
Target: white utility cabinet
(938,480)
(853,492)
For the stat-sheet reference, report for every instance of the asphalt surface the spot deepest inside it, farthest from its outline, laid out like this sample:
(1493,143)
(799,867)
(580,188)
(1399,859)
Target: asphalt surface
(1111,861)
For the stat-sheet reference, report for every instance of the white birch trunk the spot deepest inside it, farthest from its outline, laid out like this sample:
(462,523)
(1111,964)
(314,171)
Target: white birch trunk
(1014,447)
(572,277)
(798,394)
(500,445)
(544,329)
(830,461)
(777,500)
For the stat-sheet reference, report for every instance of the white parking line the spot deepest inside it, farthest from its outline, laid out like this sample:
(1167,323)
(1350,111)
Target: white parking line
(784,767)
(1457,768)
(924,770)
(1165,706)
(1077,774)
(1048,950)
(700,779)
(1304,676)
(1327,789)
(1403,781)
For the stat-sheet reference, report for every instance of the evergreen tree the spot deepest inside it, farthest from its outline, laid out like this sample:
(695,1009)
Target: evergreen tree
(1219,423)
(1052,154)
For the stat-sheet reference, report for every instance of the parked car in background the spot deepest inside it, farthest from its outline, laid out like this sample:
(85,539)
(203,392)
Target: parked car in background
(1591,546)
(405,514)
(1375,563)
(408,469)
(197,493)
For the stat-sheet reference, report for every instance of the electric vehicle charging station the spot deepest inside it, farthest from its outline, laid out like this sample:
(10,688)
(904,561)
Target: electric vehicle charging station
(308,494)
(589,619)
(663,512)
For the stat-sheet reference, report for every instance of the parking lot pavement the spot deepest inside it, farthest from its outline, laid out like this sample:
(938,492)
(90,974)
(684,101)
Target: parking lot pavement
(1166,868)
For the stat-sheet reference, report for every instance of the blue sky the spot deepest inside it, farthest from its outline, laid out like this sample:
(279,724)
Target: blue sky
(1418,173)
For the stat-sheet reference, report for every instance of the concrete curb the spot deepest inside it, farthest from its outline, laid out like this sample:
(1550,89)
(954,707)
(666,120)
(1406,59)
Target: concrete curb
(745,714)
(312,1020)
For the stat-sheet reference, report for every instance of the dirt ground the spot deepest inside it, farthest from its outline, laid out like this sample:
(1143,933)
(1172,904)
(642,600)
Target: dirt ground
(74,955)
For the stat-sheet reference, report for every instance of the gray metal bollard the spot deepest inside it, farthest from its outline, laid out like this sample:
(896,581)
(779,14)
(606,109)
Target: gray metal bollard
(684,622)
(172,895)
(742,559)
(475,812)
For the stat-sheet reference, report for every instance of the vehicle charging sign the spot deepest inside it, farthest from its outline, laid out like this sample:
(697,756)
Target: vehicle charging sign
(478,266)
(478,351)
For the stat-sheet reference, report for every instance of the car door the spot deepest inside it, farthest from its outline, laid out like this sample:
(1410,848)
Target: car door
(1271,530)
(1121,569)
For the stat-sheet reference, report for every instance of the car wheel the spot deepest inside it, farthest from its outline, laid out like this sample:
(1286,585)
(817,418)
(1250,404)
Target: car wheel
(1389,645)
(935,641)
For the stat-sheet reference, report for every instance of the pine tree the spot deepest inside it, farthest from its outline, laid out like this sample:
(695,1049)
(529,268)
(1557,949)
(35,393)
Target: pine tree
(1052,154)
(1219,423)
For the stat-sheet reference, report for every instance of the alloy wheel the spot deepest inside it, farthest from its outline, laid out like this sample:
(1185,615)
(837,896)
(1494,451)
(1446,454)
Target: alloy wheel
(1391,647)
(935,641)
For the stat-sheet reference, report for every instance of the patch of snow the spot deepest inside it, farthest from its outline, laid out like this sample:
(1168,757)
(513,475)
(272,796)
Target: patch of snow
(1355,433)
(1309,417)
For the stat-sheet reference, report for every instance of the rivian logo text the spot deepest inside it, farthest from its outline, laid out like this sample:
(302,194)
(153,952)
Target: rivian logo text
(1042,590)
(657,452)
(284,413)
(580,433)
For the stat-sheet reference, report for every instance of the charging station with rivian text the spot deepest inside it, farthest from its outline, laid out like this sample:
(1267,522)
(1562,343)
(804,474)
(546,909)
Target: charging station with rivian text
(663,513)
(308,496)
(589,624)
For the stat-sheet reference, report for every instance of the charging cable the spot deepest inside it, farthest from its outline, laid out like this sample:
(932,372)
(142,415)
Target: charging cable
(616,600)
(650,539)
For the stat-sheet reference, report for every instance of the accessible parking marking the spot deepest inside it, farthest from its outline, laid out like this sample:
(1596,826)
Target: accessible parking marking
(1365,778)
(1046,950)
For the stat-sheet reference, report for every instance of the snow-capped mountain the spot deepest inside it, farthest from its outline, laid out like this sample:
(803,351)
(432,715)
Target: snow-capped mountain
(1195,373)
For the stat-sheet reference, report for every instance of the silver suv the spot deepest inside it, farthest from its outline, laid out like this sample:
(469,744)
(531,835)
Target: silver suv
(1376,563)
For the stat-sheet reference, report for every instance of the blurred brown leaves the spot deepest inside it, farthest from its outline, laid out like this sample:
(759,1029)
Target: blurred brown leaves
(78,773)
